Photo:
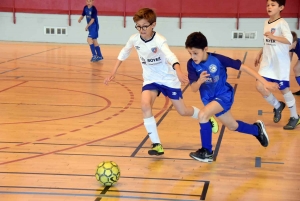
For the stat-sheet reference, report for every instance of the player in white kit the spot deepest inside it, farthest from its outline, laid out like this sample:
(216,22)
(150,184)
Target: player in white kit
(161,73)
(275,64)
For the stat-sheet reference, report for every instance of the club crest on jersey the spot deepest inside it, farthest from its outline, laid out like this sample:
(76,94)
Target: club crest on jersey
(154,49)
(212,68)
(273,30)
(90,12)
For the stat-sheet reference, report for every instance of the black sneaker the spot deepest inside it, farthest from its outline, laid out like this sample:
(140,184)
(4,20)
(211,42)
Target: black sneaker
(293,122)
(277,112)
(202,155)
(297,93)
(262,136)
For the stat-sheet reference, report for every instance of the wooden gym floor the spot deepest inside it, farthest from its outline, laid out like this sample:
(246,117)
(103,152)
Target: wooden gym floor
(58,121)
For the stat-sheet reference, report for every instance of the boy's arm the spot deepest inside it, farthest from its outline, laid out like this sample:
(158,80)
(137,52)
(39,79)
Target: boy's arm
(268,85)
(286,37)
(277,38)
(258,58)
(82,15)
(196,85)
(89,24)
(172,59)
(113,72)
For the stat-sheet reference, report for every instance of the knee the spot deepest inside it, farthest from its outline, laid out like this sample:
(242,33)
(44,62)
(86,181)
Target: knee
(232,127)
(203,116)
(260,88)
(146,107)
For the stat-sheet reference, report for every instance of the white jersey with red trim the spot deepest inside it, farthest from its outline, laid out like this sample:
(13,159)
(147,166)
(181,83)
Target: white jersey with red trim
(275,63)
(156,59)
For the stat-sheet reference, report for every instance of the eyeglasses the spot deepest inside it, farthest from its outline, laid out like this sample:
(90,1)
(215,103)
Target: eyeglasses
(144,28)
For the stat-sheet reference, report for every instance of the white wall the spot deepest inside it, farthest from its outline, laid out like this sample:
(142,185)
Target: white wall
(30,27)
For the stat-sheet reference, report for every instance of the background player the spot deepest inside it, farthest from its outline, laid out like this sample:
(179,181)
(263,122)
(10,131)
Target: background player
(275,64)
(92,26)
(295,47)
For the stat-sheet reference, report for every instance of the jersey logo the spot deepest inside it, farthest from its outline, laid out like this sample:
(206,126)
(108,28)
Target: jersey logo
(273,30)
(212,68)
(174,93)
(137,47)
(90,12)
(154,49)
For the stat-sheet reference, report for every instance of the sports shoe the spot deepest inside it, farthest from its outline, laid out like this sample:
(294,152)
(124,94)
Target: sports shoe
(214,125)
(297,93)
(262,136)
(157,149)
(98,58)
(293,122)
(202,155)
(94,57)
(277,112)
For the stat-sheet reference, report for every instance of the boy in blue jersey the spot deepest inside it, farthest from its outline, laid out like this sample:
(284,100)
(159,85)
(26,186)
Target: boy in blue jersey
(207,73)
(90,12)
(295,47)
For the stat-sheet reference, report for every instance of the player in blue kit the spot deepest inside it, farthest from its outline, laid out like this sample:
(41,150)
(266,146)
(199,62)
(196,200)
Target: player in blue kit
(295,48)
(207,73)
(90,12)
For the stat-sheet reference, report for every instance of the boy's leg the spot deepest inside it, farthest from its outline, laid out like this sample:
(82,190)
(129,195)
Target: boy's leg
(297,75)
(257,129)
(98,51)
(147,100)
(92,47)
(291,103)
(270,98)
(193,112)
(205,154)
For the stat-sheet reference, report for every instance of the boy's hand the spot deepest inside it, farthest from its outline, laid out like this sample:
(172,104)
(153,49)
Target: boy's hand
(269,35)
(182,78)
(79,20)
(86,28)
(203,77)
(271,86)
(109,78)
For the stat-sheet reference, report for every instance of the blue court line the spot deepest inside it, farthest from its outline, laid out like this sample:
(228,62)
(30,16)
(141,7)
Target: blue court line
(258,162)
(86,195)
(9,70)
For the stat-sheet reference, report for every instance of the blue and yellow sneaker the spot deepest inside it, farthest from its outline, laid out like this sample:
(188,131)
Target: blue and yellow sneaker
(214,125)
(157,149)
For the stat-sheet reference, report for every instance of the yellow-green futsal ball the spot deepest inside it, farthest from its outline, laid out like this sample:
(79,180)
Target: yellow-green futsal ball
(108,173)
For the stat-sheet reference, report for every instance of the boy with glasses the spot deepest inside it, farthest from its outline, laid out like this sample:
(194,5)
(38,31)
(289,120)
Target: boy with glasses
(161,73)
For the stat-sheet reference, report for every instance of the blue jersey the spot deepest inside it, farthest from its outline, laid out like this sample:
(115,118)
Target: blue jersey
(216,84)
(297,49)
(91,13)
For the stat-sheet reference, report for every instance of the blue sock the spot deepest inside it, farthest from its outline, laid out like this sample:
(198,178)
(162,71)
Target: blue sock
(298,80)
(206,135)
(93,49)
(247,128)
(97,48)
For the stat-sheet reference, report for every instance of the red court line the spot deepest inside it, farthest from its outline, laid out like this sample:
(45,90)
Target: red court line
(23,143)
(84,144)
(43,139)
(75,130)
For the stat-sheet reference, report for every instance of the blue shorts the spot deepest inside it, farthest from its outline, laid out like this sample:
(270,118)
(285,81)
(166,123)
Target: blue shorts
(282,84)
(225,100)
(93,32)
(172,93)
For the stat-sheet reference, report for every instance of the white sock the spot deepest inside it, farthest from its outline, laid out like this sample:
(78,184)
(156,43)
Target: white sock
(150,125)
(291,103)
(196,112)
(273,101)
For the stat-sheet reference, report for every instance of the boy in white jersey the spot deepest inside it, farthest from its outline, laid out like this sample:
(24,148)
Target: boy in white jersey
(161,73)
(295,48)
(275,63)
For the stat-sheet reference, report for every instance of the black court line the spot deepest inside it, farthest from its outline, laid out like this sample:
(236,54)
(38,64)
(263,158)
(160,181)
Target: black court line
(244,59)
(258,162)
(102,192)
(157,124)
(30,55)
(218,145)
(9,70)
